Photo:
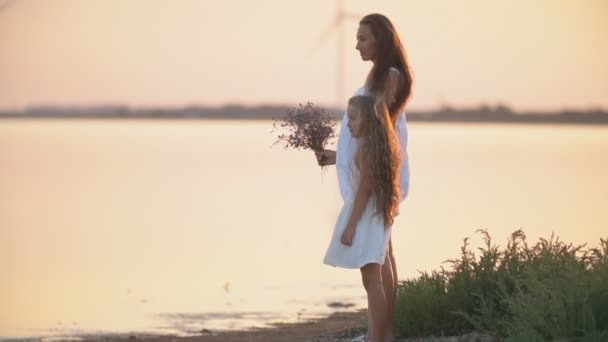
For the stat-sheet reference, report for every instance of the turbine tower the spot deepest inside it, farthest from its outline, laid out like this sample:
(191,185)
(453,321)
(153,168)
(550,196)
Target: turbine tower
(336,25)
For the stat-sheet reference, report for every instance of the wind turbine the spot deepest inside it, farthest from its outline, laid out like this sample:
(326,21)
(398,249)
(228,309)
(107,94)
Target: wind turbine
(336,25)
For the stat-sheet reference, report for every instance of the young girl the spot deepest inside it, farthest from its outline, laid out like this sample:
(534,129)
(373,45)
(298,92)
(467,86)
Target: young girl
(390,78)
(363,227)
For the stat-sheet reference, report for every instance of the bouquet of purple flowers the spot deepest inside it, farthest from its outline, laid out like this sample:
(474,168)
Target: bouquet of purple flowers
(310,128)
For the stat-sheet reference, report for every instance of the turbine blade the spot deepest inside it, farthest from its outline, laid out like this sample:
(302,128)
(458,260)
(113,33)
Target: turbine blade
(351,16)
(324,36)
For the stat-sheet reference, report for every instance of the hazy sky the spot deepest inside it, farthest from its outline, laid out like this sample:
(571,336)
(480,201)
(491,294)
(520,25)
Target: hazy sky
(530,54)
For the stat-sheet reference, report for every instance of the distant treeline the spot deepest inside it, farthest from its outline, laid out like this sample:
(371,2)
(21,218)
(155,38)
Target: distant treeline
(495,114)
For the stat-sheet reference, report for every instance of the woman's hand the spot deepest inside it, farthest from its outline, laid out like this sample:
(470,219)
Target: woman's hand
(348,235)
(326,157)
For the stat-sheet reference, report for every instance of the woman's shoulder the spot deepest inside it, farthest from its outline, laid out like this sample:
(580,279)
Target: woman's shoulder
(395,70)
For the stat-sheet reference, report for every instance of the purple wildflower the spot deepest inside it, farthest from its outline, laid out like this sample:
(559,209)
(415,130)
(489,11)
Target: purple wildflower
(310,128)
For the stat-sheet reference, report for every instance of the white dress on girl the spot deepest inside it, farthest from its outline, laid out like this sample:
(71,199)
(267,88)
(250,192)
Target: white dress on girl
(371,238)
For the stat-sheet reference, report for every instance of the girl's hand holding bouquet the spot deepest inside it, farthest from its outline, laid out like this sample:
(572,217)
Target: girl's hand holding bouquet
(310,128)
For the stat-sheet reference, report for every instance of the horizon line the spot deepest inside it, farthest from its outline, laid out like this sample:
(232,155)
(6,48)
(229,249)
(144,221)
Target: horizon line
(501,106)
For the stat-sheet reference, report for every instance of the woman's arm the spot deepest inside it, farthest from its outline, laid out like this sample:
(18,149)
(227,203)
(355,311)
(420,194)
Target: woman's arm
(391,87)
(404,173)
(361,198)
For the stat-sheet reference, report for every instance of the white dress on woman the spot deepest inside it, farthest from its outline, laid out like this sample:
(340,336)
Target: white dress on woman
(371,238)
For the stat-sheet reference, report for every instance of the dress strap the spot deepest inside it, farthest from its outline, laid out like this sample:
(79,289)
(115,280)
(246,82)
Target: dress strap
(395,69)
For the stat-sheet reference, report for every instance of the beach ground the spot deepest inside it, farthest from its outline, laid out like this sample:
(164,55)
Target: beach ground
(341,323)
(338,327)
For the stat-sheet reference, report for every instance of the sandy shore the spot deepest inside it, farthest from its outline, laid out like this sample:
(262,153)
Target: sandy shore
(339,327)
(338,324)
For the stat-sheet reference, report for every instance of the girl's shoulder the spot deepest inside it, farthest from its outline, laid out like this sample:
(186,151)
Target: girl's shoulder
(360,156)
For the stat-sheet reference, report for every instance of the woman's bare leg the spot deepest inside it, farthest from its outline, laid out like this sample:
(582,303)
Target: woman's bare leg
(370,326)
(390,282)
(376,300)
(394,266)
(388,285)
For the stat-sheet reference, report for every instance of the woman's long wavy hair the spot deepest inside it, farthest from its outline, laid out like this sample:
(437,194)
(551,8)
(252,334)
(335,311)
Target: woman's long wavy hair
(390,53)
(379,152)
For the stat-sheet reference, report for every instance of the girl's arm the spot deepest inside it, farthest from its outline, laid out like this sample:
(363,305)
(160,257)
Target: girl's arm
(361,198)
(326,157)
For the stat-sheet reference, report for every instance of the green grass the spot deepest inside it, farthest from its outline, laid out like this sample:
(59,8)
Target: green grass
(551,291)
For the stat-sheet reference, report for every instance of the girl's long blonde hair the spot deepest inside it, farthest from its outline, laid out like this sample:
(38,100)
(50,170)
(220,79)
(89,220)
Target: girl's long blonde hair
(379,153)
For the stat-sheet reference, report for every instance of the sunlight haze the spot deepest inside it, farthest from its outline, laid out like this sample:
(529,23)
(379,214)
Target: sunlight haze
(538,54)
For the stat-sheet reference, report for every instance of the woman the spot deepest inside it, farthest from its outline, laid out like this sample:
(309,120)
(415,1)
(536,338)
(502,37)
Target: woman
(390,77)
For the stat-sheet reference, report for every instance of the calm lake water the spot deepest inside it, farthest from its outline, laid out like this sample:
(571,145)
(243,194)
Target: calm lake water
(176,226)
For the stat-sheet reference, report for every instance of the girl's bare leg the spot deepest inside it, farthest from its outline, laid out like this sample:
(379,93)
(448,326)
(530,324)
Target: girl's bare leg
(376,300)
